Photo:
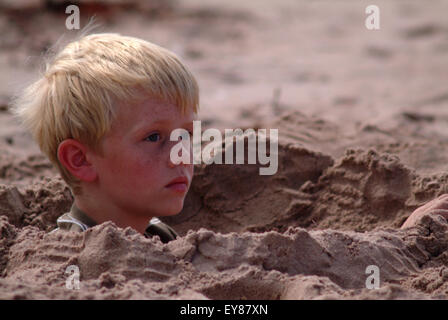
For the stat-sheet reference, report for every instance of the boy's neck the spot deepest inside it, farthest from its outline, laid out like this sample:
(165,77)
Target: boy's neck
(102,211)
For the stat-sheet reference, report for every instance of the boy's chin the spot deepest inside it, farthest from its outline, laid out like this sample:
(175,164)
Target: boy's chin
(172,210)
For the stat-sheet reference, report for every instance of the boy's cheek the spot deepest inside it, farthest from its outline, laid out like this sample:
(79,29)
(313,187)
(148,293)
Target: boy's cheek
(191,171)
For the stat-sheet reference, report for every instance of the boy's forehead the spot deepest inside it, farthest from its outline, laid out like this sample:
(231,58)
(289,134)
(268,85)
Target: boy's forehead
(152,109)
(138,115)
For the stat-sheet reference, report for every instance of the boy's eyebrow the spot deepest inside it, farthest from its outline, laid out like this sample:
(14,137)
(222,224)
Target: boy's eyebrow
(147,126)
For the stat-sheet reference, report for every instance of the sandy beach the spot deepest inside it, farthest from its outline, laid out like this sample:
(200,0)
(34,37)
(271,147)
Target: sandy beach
(362,117)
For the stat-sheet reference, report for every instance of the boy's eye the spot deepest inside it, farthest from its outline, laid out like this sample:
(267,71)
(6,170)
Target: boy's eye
(154,137)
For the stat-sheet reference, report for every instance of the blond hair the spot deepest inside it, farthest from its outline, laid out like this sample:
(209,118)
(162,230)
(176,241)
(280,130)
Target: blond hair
(77,95)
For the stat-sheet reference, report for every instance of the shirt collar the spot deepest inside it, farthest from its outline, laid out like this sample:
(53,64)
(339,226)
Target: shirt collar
(81,216)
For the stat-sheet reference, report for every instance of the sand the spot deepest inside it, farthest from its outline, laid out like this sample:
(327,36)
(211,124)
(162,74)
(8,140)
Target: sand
(362,143)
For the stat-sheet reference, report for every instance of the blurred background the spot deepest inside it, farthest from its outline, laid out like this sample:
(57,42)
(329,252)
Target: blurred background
(311,68)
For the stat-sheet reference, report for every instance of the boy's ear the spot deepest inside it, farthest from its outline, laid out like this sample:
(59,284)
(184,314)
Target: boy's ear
(72,155)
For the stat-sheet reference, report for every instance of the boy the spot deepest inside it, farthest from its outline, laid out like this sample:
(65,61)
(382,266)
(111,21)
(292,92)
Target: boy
(103,113)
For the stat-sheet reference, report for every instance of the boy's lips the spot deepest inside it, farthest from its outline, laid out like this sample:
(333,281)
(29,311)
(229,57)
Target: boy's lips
(179,184)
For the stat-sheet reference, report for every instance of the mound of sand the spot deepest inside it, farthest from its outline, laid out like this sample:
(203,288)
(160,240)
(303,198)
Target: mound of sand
(307,232)
(297,264)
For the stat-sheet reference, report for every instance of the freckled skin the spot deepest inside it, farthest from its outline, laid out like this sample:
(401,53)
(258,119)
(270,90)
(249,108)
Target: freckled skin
(134,171)
(436,206)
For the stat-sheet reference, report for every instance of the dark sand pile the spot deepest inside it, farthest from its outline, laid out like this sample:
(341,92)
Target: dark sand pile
(287,236)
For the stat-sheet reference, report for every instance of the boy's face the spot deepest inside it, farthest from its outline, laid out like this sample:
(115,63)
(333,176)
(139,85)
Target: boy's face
(135,172)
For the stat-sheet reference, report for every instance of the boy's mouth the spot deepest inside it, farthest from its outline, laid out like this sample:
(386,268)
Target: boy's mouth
(179,184)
